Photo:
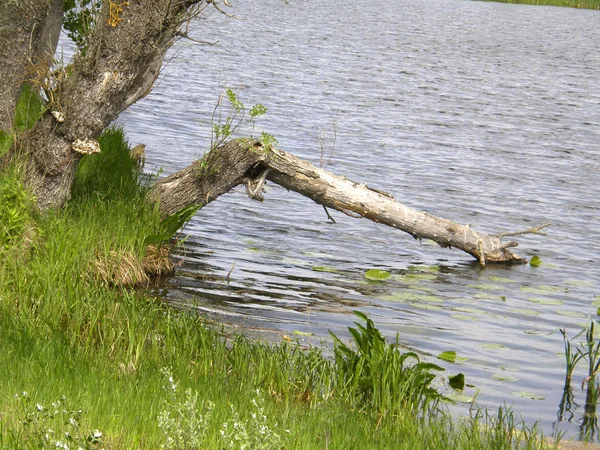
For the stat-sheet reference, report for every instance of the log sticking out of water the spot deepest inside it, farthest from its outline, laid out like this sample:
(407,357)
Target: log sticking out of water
(249,162)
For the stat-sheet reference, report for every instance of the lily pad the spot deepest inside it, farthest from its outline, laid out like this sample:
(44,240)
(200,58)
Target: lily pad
(532,332)
(545,301)
(487,287)
(421,276)
(302,333)
(464,317)
(325,269)
(502,280)
(527,394)
(470,310)
(542,289)
(571,314)
(535,261)
(427,306)
(526,312)
(457,381)
(452,357)
(505,377)
(424,268)
(459,398)
(377,275)
(492,346)
(573,282)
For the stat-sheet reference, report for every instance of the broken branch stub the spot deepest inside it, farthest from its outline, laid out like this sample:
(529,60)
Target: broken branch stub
(246,162)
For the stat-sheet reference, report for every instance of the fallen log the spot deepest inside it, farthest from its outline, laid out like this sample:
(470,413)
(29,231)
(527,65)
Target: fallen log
(248,162)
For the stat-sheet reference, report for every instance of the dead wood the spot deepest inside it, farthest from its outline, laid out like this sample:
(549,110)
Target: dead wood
(250,163)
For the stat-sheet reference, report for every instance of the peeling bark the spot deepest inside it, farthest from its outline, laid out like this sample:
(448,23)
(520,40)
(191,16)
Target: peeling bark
(245,162)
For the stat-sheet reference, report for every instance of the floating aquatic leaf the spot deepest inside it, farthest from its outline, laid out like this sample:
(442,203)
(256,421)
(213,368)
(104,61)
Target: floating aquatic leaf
(571,314)
(302,333)
(469,310)
(545,301)
(502,280)
(427,306)
(535,261)
(502,377)
(510,368)
(421,276)
(488,287)
(464,317)
(325,269)
(405,280)
(486,296)
(377,275)
(492,346)
(598,312)
(542,289)
(526,394)
(573,282)
(457,381)
(452,357)
(532,332)
(526,312)
(424,268)
(459,398)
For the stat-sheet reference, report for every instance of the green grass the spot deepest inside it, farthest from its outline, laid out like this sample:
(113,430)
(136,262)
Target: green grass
(587,4)
(126,363)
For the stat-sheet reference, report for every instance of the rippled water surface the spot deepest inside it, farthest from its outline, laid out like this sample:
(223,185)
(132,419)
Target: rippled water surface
(482,113)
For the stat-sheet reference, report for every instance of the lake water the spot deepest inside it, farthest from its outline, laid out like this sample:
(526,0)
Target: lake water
(482,113)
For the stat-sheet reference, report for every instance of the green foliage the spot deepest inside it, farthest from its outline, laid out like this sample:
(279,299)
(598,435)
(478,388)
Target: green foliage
(169,226)
(377,275)
(16,207)
(268,141)
(223,128)
(111,173)
(6,142)
(28,110)
(385,379)
(536,261)
(55,427)
(79,19)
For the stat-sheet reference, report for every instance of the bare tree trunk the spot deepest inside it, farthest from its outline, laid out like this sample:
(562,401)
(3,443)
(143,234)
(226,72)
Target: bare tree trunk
(246,162)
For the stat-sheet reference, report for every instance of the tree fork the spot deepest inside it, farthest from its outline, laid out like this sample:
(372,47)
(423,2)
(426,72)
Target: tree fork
(249,162)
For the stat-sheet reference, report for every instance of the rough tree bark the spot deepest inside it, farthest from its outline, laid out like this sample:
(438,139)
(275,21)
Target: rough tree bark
(250,163)
(119,66)
(32,28)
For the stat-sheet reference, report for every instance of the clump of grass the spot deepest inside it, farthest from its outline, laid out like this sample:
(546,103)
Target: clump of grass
(386,379)
(111,173)
(16,209)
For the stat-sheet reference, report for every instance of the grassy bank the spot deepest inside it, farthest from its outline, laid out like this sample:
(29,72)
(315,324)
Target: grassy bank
(586,4)
(91,360)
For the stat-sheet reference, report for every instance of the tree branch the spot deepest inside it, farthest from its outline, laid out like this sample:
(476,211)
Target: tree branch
(237,161)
